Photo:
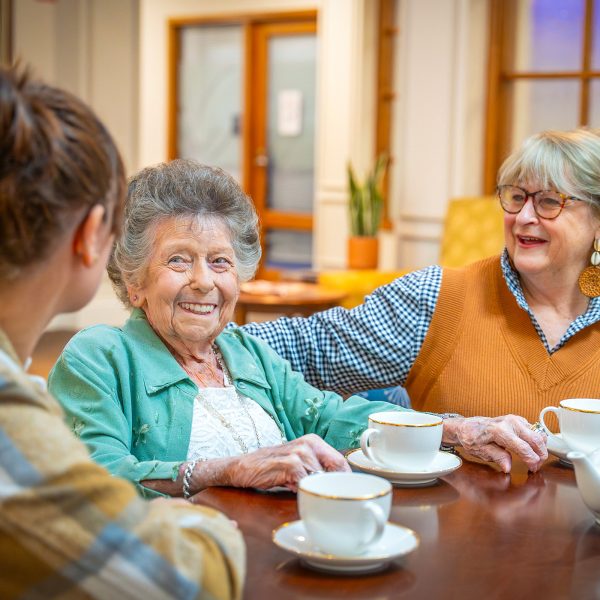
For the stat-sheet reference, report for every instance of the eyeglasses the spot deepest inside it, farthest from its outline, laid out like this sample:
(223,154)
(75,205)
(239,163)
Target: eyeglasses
(547,204)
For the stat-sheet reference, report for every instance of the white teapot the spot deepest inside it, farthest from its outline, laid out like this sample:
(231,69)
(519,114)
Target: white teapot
(587,473)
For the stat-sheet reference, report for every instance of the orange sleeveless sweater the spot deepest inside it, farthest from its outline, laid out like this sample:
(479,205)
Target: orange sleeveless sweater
(483,356)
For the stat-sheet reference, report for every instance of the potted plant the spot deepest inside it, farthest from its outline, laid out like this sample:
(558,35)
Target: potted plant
(366,209)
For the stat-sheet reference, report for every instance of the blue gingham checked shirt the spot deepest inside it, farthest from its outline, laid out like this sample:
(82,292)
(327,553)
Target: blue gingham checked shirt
(375,344)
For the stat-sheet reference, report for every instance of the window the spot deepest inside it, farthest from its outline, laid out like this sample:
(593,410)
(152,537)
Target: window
(544,72)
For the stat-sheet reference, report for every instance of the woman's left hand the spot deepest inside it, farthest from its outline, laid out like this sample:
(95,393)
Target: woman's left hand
(494,438)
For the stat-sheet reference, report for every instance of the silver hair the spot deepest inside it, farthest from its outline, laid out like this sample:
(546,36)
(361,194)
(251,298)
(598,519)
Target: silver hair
(182,188)
(566,161)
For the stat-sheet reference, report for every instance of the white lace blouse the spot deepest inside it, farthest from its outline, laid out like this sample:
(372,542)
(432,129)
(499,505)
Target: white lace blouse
(225,423)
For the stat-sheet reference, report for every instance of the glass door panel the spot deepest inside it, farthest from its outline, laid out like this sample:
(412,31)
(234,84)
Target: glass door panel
(291,123)
(210,95)
(288,250)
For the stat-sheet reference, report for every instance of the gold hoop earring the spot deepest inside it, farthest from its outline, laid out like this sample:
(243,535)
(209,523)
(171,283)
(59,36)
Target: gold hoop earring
(589,280)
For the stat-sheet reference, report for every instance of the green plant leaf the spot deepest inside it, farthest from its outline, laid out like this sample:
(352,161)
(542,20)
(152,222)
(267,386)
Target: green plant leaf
(366,200)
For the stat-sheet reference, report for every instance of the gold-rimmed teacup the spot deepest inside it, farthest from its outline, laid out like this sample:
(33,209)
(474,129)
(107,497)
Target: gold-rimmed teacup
(344,513)
(578,421)
(402,440)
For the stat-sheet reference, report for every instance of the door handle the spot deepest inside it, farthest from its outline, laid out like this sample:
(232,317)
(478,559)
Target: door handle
(261,159)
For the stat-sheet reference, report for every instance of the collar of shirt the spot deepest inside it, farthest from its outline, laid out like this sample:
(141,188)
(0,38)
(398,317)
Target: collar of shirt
(8,357)
(160,369)
(589,317)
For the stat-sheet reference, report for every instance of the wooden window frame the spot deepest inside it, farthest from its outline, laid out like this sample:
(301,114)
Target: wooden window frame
(387,35)
(501,74)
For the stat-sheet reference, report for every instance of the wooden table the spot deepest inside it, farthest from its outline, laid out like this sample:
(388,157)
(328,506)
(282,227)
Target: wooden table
(286,298)
(484,535)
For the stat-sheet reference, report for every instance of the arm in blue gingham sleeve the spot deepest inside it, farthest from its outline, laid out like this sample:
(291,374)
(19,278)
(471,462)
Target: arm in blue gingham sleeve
(371,346)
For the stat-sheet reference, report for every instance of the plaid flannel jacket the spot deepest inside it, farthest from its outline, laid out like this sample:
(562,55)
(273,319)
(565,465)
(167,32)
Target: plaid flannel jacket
(70,530)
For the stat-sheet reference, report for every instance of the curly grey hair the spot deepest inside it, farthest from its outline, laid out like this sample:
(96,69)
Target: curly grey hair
(181,188)
(567,161)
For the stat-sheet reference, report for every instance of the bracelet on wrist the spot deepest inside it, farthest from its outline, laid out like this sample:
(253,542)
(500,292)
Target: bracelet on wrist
(187,476)
(449,447)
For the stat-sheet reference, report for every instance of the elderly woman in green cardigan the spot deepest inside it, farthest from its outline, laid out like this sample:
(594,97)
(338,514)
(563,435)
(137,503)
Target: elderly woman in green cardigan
(171,401)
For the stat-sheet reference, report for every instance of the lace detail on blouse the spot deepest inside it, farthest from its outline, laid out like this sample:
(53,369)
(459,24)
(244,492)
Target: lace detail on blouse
(211,439)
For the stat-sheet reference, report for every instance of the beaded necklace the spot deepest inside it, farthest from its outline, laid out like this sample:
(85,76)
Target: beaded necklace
(215,413)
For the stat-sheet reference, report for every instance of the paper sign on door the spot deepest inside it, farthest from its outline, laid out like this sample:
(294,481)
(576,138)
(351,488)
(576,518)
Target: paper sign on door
(289,113)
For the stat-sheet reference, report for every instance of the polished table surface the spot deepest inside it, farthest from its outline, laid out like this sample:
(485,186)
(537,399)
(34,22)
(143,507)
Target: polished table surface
(482,534)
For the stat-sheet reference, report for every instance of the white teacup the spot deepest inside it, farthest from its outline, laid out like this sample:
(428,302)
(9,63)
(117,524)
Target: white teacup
(579,423)
(344,513)
(402,440)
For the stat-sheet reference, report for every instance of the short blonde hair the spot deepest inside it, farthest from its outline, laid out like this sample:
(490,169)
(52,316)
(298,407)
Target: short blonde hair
(566,161)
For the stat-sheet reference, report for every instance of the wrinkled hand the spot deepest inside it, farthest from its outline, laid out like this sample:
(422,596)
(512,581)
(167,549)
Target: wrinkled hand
(285,465)
(494,438)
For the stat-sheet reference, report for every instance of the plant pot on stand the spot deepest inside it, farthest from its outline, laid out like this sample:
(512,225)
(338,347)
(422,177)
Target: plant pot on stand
(365,205)
(363,252)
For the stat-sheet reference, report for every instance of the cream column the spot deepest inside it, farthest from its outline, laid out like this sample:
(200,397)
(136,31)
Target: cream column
(440,112)
(346,118)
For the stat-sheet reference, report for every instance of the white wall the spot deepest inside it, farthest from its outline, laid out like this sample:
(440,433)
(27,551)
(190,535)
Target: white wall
(114,53)
(439,119)
(89,47)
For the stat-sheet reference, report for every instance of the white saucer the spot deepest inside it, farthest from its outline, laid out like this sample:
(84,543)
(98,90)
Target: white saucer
(396,541)
(559,448)
(444,463)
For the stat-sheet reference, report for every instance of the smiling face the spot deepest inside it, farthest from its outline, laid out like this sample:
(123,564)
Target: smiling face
(191,286)
(558,247)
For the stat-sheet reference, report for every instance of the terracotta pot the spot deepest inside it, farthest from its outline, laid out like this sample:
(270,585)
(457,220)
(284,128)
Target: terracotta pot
(363,252)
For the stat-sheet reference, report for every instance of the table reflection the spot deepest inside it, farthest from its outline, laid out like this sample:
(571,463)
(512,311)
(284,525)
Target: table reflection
(483,534)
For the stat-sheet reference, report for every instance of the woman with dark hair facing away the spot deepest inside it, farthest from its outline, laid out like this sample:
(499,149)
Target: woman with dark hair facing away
(66,526)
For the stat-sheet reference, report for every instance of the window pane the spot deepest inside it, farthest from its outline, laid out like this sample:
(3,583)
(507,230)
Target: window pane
(594,120)
(596,37)
(291,114)
(549,35)
(543,104)
(210,96)
(288,249)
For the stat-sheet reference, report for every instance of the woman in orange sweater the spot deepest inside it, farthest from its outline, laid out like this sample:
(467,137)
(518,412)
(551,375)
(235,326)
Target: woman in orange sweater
(510,334)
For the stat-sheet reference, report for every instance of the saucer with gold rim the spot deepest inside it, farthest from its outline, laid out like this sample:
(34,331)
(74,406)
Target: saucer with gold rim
(396,541)
(443,464)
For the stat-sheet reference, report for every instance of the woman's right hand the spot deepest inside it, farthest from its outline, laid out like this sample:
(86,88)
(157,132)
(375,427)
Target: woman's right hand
(494,438)
(283,465)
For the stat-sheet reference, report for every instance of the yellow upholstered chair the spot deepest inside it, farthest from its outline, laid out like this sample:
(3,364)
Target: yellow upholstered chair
(473,229)
(356,284)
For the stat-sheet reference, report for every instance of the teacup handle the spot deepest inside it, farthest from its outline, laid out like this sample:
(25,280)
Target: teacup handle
(364,442)
(380,521)
(548,409)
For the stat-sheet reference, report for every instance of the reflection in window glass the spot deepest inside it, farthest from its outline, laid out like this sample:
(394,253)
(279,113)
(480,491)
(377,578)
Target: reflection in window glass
(543,104)
(549,35)
(210,96)
(288,249)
